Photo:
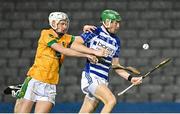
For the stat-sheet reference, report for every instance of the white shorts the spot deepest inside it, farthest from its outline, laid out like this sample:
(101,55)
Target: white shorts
(41,91)
(89,83)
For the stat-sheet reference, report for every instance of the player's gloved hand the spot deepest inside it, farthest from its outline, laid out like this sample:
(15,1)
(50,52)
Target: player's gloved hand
(88,28)
(93,59)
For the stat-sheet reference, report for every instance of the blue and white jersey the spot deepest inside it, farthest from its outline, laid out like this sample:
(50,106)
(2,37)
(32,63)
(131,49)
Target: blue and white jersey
(100,38)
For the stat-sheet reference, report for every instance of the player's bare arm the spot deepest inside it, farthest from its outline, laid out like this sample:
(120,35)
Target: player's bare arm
(125,74)
(78,46)
(71,52)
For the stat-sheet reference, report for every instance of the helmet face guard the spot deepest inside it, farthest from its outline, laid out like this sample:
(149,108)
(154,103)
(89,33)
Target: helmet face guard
(57,17)
(107,16)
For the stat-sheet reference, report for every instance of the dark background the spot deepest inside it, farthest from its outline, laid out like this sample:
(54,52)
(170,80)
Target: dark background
(156,22)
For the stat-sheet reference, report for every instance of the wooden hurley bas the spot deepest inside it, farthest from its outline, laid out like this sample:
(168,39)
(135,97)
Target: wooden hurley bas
(129,68)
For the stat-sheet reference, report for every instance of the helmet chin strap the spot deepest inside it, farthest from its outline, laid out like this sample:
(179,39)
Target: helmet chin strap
(60,34)
(54,26)
(107,24)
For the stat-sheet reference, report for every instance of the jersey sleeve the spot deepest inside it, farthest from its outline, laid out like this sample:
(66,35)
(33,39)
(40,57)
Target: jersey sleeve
(47,38)
(71,40)
(118,45)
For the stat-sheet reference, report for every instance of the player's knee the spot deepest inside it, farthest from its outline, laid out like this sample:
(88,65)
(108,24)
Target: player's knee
(112,101)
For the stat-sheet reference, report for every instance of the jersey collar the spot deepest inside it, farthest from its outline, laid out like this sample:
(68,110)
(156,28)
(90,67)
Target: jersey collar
(105,30)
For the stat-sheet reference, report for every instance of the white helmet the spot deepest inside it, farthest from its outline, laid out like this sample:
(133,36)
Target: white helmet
(57,16)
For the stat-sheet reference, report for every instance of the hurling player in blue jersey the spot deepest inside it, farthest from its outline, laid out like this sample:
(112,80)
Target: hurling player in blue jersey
(94,82)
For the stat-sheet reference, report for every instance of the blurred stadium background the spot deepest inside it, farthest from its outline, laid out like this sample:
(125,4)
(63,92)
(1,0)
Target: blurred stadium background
(156,22)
